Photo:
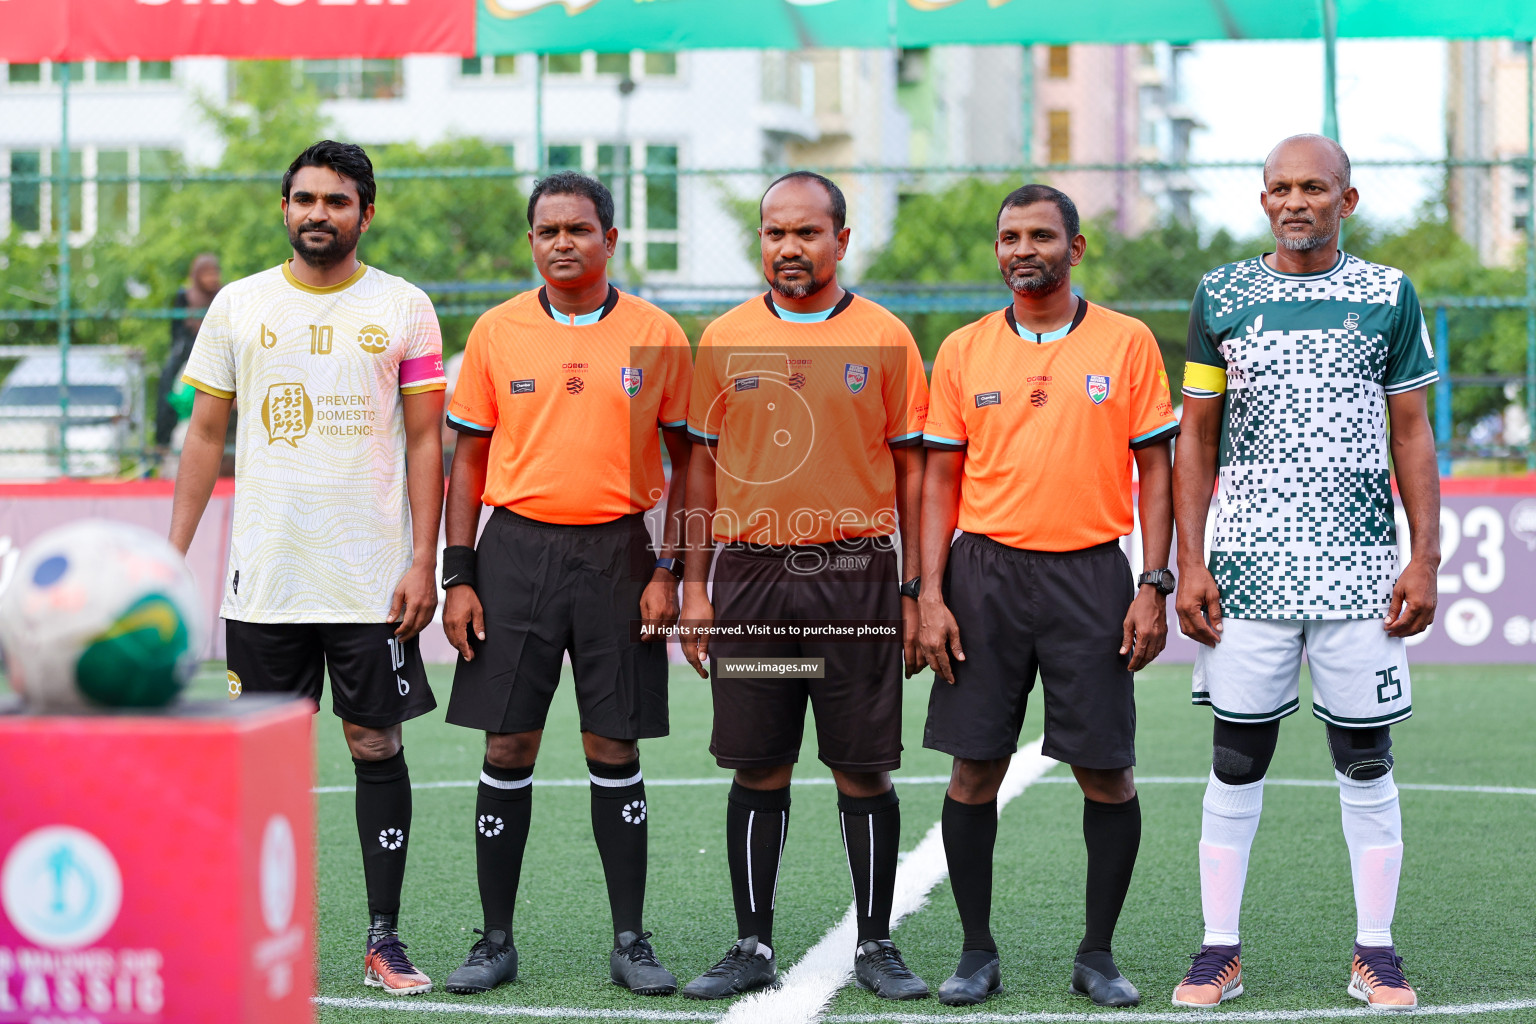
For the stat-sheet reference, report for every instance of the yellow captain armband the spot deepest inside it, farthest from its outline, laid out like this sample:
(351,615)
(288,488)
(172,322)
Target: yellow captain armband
(1205,378)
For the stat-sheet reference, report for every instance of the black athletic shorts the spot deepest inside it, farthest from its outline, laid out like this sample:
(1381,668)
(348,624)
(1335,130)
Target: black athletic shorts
(376,681)
(551,588)
(759,721)
(1060,614)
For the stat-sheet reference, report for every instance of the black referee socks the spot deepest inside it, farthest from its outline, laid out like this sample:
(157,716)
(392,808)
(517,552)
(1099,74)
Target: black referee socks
(619,817)
(871,838)
(756,821)
(1112,833)
(970,834)
(503,808)
(383,826)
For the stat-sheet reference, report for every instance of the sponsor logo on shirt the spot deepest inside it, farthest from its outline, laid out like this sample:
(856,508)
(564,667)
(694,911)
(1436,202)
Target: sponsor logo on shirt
(1038,397)
(574,386)
(522,387)
(1098,388)
(746,383)
(989,398)
(373,338)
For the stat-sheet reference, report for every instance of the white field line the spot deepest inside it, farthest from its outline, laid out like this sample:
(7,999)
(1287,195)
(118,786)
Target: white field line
(575,1013)
(411,1005)
(934,780)
(1222,1016)
(808,986)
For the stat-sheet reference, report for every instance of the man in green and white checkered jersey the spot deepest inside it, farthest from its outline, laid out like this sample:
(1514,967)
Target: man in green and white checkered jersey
(1305,368)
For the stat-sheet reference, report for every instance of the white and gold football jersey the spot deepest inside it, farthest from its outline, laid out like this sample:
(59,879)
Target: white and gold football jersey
(322,525)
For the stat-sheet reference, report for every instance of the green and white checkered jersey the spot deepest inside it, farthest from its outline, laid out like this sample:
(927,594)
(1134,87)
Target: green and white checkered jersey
(1304,523)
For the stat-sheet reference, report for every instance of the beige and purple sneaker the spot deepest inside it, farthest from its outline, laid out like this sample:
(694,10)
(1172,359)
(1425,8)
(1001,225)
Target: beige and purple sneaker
(1215,976)
(1376,979)
(386,966)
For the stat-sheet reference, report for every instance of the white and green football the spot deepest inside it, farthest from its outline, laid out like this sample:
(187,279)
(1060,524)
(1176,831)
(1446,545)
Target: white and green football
(100,613)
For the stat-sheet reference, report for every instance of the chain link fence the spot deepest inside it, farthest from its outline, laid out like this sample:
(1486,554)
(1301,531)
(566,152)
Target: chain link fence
(166,161)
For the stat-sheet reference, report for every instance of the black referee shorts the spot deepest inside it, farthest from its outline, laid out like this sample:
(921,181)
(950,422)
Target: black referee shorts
(759,722)
(376,681)
(550,588)
(1058,614)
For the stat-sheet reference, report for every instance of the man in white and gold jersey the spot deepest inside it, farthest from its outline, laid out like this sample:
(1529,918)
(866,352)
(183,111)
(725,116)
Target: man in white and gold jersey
(338,497)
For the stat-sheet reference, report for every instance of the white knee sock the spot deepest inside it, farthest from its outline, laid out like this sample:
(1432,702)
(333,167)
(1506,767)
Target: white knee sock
(1226,835)
(1373,828)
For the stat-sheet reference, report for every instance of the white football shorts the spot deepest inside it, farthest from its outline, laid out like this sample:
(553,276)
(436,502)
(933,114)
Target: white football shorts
(1359,673)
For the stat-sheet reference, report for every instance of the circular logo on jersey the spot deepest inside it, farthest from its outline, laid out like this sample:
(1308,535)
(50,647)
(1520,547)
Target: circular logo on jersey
(1518,631)
(1468,622)
(634,812)
(61,887)
(574,386)
(1522,522)
(490,825)
(235,687)
(373,338)
(1038,397)
(391,838)
(279,873)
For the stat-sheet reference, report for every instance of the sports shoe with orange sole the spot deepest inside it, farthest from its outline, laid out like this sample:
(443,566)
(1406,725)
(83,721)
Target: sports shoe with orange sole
(1376,979)
(1215,976)
(386,966)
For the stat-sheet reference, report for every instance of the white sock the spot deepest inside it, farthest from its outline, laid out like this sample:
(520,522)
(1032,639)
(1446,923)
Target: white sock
(1373,828)
(1227,827)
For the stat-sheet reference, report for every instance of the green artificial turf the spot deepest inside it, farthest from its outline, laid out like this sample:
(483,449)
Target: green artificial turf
(1466,921)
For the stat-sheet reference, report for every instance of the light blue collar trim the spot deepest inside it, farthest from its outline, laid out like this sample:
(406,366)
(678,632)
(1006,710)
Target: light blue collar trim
(1056,335)
(580,320)
(802,318)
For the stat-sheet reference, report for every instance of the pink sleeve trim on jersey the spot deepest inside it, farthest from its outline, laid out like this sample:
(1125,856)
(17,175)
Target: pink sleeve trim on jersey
(421,370)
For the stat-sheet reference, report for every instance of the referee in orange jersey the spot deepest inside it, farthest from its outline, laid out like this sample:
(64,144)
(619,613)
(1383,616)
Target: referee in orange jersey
(1037,413)
(807,407)
(559,399)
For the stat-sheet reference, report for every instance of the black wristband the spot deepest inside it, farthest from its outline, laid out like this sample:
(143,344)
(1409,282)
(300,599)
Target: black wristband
(458,566)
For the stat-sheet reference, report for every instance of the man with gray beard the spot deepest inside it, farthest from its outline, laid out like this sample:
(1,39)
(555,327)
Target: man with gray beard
(1306,367)
(1036,414)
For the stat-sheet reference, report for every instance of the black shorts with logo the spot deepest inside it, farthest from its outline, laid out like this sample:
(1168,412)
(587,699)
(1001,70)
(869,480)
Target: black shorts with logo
(376,681)
(1060,614)
(549,588)
(759,721)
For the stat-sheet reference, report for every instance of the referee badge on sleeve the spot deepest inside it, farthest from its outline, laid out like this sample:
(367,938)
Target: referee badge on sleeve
(1098,388)
(632,378)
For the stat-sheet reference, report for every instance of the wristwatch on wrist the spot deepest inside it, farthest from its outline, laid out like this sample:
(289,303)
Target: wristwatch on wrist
(672,565)
(1162,579)
(912,587)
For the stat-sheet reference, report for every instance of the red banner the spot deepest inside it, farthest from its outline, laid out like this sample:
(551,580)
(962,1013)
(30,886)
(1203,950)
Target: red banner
(33,30)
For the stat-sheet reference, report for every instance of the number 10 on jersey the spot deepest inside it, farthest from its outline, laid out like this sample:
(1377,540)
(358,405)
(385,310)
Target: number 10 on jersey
(320,339)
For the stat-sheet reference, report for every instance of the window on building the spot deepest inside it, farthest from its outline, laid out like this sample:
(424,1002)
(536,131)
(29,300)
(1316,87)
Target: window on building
(112,207)
(354,78)
(1521,220)
(154,163)
(1058,62)
(26,196)
(660,65)
(111,71)
(1522,194)
(1059,141)
(612,63)
(154,71)
(76,72)
(24,74)
(562,63)
(501,65)
(661,202)
(76,191)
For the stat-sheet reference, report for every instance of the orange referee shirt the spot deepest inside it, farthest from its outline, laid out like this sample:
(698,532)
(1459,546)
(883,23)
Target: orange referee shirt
(572,410)
(1048,428)
(800,419)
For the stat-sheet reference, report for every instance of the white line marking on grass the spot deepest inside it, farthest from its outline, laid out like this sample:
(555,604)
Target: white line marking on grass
(1222,1016)
(934,780)
(527,1012)
(809,985)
